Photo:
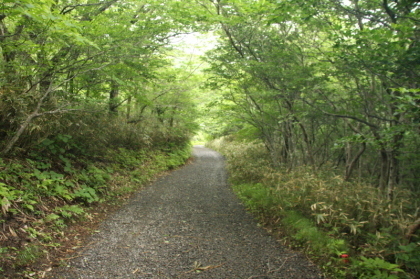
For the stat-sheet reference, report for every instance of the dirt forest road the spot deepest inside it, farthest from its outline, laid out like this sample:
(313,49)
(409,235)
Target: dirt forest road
(188,224)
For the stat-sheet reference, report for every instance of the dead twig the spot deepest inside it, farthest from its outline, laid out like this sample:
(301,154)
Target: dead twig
(271,271)
(278,269)
(198,267)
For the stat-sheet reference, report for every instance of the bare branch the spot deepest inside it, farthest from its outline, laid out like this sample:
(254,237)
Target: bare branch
(102,9)
(70,8)
(59,110)
(343,116)
(351,117)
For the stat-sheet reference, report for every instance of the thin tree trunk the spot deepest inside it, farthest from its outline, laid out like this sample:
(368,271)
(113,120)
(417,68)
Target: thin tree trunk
(392,174)
(19,132)
(352,163)
(129,107)
(27,121)
(308,145)
(394,165)
(384,170)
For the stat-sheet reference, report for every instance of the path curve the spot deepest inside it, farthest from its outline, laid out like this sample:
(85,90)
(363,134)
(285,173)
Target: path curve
(188,224)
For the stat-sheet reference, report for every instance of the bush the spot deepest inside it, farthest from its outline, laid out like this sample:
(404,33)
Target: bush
(248,161)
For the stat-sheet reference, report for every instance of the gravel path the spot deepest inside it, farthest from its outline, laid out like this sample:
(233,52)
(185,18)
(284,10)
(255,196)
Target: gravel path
(188,224)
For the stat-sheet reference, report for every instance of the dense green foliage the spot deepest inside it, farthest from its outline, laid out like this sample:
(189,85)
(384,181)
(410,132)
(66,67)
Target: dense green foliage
(324,82)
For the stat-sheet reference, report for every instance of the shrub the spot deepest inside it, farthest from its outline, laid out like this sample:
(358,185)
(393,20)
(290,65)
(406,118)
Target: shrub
(248,161)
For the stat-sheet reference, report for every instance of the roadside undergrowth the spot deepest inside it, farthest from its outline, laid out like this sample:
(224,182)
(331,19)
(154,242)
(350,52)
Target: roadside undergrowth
(44,201)
(348,228)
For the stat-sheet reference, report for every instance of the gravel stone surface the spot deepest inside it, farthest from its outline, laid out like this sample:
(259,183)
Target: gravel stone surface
(188,224)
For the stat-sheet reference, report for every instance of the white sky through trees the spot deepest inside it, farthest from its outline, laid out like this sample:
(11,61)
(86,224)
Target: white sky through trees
(195,43)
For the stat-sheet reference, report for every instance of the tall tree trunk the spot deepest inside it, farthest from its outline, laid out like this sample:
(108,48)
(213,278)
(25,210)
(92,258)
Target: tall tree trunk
(287,143)
(392,175)
(129,107)
(71,84)
(351,162)
(272,147)
(308,154)
(172,119)
(394,164)
(113,96)
(383,178)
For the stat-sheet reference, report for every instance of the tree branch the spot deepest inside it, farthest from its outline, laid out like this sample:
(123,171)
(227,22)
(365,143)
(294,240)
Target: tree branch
(26,123)
(343,116)
(388,10)
(105,6)
(70,8)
